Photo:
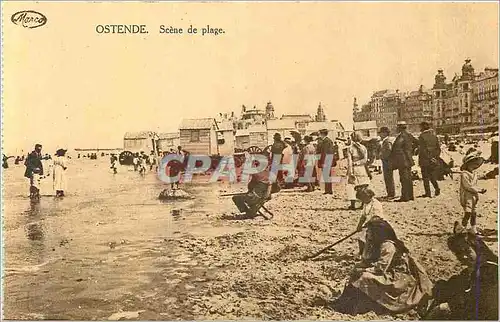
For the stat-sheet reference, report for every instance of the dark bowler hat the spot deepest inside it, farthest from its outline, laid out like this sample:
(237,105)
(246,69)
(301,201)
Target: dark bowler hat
(323,131)
(277,135)
(425,125)
(384,129)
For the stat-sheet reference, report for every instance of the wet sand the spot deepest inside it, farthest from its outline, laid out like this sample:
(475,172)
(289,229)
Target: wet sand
(112,250)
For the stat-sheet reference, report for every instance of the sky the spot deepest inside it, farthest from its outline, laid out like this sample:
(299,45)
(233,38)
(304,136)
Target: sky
(64,85)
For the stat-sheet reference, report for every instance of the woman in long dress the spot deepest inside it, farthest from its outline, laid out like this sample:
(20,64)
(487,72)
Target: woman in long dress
(60,166)
(357,175)
(388,279)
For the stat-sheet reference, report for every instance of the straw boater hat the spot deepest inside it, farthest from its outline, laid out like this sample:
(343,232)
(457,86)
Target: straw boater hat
(323,131)
(469,158)
(401,123)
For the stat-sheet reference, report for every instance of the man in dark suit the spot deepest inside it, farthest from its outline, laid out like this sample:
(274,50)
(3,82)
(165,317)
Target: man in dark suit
(402,160)
(277,153)
(33,161)
(428,158)
(325,148)
(384,155)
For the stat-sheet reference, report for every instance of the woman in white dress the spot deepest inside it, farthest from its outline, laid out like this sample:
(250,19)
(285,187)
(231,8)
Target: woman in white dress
(357,175)
(60,166)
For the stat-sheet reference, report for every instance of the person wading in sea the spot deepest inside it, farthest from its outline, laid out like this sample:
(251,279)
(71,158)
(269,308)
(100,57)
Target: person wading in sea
(32,162)
(60,166)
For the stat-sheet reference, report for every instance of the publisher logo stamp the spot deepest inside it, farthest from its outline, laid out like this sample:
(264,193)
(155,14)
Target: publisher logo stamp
(29,19)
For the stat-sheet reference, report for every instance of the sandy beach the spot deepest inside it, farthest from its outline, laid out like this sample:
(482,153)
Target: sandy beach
(111,250)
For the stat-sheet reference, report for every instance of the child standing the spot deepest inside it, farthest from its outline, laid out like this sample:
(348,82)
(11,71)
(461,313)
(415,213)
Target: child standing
(371,208)
(469,192)
(35,184)
(113,160)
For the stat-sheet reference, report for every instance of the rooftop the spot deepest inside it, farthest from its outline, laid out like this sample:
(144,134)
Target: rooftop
(225,126)
(242,133)
(137,135)
(171,135)
(280,124)
(196,124)
(367,125)
(257,128)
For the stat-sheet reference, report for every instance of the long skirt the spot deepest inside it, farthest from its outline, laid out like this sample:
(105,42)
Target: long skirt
(59,178)
(361,178)
(399,290)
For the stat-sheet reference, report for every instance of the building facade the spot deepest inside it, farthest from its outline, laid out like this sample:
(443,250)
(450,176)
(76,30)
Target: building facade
(468,104)
(453,101)
(485,101)
(383,108)
(416,108)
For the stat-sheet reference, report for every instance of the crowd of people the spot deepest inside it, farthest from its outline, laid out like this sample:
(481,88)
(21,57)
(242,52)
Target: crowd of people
(34,171)
(387,278)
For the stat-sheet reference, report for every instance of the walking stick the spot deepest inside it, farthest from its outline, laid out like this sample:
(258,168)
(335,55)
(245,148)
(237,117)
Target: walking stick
(232,194)
(328,247)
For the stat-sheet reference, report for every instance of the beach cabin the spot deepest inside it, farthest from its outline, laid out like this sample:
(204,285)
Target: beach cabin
(282,127)
(167,141)
(255,135)
(368,129)
(138,141)
(242,139)
(204,136)
(258,135)
(335,129)
(225,137)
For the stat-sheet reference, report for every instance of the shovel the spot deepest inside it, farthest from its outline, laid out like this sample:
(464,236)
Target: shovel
(330,246)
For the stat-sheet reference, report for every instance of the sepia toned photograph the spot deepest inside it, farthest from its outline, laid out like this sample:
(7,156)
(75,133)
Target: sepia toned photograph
(249,160)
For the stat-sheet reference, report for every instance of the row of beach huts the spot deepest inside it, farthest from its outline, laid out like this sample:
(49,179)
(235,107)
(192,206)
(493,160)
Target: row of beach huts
(209,136)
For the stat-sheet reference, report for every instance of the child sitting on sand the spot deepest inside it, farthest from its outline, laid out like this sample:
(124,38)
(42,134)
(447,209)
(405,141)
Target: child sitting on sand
(371,207)
(469,192)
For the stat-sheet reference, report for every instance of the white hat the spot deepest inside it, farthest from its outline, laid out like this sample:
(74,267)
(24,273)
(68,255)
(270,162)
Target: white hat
(402,123)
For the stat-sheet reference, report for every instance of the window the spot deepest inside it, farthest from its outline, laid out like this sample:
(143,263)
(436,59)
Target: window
(195,136)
